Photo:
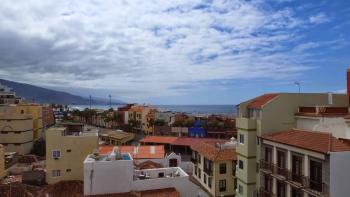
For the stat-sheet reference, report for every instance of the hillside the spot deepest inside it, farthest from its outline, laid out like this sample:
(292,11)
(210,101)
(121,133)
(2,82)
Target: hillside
(44,95)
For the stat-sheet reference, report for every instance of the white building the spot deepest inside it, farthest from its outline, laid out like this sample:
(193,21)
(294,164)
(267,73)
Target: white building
(8,96)
(168,117)
(115,173)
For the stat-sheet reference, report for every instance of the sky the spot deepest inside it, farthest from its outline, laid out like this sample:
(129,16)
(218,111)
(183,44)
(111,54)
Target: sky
(176,52)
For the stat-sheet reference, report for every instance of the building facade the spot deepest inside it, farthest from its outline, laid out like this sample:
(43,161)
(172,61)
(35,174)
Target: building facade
(266,114)
(115,173)
(214,168)
(299,163)
(8,96)
(66,149)
(2,162)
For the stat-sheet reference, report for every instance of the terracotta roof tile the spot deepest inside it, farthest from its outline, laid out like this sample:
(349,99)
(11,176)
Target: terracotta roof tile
(260,101)
(211,152)
(179,141)
(311,140)
(144,151)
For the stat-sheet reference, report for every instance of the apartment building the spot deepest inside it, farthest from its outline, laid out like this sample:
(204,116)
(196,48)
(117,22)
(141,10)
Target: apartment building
(299,163)
(215,167)
(115,173)
(150,118)
(8,96)
(267,114)
(66,148)
(16,134)
(2,162)
(138,115)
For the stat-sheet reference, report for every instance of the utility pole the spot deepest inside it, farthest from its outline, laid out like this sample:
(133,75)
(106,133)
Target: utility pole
(90,101)
(110,101)
(299,85)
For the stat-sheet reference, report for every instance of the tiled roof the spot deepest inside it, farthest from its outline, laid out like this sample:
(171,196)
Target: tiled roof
(260,101)
(166,192)
(143,152)
(311,140)
(179,141)
(213,153)
(148,165)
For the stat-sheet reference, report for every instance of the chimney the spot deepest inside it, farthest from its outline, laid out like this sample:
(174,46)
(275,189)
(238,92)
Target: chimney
(348,84)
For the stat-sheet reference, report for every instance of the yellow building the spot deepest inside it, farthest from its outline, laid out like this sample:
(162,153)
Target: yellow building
(267,114)
(66,149)
(2,162)
(16,132)
(150,118)
(214,168)
(36,111)
(138,116)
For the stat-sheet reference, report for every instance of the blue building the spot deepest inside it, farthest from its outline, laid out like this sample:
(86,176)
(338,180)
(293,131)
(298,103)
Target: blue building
(197,130)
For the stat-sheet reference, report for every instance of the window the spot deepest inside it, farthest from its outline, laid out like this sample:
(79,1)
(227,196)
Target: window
(199,173)
(257,140)
(56,154)
(68,170)
(240,189)
(56,173)
(240,164)
(222,185)
(69,150)
(199,158)
(241,138)
(195,170)
(205,178)
(223,168)
(233,168)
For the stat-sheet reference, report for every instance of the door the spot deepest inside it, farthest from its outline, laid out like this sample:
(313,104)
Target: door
(172,162)
(316,175)
(297,168)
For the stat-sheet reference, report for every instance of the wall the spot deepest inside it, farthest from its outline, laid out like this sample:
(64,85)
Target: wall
(228,177)
(2,162)
(108,177)
(16,129)
(79,146)
(336,125)
(339,174)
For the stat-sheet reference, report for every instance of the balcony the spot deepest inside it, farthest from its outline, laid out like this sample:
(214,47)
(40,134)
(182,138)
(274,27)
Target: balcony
(208,172)
(194,161)
(246,123)
(281,172)
(265,193)
(266,167)
(316,187)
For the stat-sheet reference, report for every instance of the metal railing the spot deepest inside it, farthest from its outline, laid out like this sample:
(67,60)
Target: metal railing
(265,165)
(266,193)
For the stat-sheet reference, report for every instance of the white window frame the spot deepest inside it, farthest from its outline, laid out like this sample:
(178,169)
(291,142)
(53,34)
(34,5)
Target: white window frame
(54,154)
(241,136)
(56,173)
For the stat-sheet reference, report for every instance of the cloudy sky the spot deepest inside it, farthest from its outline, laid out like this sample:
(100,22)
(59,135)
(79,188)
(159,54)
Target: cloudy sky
(176,52)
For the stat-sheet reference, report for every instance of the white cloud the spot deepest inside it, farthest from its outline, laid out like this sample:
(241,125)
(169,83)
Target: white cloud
(319,18)
(145,48)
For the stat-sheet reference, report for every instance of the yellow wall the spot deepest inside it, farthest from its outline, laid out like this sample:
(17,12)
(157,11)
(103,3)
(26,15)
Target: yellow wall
(214,190)
(36,112)
(79,146)
(2,162)
(277,115)
(16,132)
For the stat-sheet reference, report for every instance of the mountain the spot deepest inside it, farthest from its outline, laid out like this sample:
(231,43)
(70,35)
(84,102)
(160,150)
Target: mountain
(44,95)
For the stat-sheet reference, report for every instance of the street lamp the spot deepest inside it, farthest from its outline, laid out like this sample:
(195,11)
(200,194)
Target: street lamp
(298,84)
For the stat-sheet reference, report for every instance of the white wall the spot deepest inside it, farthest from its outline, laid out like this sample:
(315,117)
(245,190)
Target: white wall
(336,125)
(339,174)
(108,177)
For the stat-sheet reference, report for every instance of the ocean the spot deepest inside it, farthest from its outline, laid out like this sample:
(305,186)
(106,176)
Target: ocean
(228,110)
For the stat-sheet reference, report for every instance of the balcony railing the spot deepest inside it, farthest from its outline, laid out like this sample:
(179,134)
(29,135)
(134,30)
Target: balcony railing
(265,193)
(194,161)
(208,172)
(316,186)
(265,165)
(281,171)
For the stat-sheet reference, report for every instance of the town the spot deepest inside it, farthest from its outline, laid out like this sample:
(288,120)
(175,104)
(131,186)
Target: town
(278,144)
